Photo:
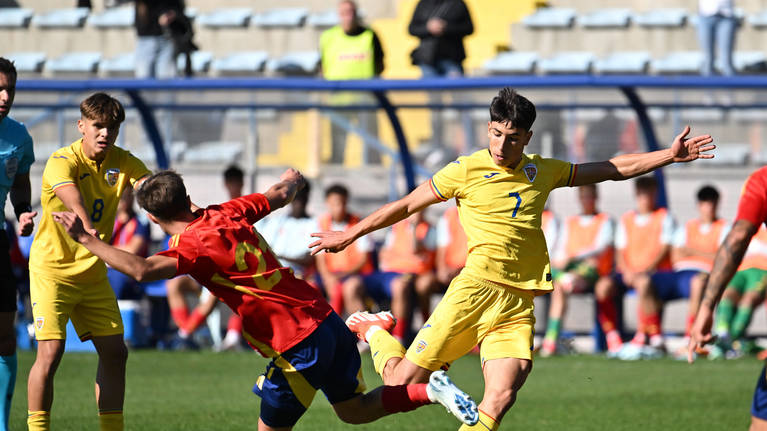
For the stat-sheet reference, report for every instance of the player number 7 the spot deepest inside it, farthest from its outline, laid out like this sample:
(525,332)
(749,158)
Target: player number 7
(519,202)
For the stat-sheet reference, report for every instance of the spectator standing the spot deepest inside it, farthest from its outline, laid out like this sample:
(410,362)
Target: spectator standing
(351,51)
(155,49)
(717,25)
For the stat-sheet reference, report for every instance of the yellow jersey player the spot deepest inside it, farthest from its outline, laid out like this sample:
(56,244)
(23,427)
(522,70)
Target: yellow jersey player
(66,280)
(500,193)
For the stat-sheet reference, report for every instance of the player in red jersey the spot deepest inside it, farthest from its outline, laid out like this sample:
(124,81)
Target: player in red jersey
(752,212)
(284,318)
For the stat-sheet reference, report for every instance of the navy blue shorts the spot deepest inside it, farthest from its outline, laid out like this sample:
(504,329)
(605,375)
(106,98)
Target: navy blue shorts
(670,285)
(759,405)
(326,360)
(378,285)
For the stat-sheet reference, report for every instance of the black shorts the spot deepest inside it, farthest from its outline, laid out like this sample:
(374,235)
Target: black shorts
(7,279)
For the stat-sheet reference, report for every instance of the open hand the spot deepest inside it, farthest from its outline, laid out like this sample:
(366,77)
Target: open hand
(331,242)
(686,149)
(27,223)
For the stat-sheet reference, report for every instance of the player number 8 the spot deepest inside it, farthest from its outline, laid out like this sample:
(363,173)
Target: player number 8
(98,210)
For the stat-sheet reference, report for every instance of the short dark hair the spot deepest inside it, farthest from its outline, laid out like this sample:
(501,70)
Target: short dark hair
(233,173)
(337,189)
(103,107)
(303,194)
(645,184)
(708,193)
(511,107)
(163,195)
(8,69)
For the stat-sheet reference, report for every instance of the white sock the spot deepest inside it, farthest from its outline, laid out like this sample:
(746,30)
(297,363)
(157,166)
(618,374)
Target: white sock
(372,330)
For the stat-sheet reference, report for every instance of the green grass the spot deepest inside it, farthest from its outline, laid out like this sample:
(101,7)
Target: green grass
(208,391)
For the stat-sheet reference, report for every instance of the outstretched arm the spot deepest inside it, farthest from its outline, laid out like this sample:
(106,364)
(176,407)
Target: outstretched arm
(139,268)
(385,216)
(728,257)
(628,166)
(283,192)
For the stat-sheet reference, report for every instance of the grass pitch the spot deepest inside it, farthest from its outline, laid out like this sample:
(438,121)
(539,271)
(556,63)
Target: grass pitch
(211,391)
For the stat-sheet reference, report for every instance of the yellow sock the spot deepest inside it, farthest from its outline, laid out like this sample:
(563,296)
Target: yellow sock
(384,347)
(486,423)
(38,421)
(111,420)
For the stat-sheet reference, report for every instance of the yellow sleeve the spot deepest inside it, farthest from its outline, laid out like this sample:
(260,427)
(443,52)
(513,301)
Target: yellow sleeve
(448,182)
(60,171)
(562,172)
(135,168)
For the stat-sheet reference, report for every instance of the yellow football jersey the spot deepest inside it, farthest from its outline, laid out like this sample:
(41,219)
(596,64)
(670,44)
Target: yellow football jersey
(53,252)
(500,210)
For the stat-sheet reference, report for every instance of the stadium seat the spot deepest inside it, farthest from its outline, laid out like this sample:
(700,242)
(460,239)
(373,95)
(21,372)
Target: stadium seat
(75,62)
(679,62)
(606,18)
(325,19)
(201,61)
(567,62)
(62,18)
(750,61)
(28,62)
(224,152)
(241,62)
(229,17)
(14,17)
(672,17)
(623,62)
(758,20)
(121,17)
(287,17)
(300,62)
(550,18)
(122,64)
(701,115)
(512,62)
(731,154)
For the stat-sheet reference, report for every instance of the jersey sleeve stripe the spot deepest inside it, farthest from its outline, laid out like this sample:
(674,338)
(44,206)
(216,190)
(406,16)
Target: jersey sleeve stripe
(435,190)
(61,184)
(573,171)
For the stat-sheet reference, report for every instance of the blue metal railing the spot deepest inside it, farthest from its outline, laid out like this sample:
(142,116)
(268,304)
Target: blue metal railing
(627,85)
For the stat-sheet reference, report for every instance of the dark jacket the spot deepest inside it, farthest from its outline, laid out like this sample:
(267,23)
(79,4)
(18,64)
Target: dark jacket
(148,12)
(449,45)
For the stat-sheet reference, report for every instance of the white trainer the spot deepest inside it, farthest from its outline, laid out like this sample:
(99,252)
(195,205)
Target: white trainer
(442,390)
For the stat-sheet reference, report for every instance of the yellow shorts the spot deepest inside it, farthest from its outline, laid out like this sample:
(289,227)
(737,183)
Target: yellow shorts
(499,319)
(92,308)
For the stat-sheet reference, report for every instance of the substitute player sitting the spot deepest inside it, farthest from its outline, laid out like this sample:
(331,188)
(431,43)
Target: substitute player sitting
(583,263)
(66,280)
(500,192)
(284,318)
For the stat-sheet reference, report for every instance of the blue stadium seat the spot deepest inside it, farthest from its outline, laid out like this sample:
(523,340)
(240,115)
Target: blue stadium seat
(28,62)
(14,17)
(225,152)
(287,17)
(623,62)
(325,19)
(679,62)
(512,62)
(567,62)
(75,62)
(241,62)
(119,17)
(229,17)
(300,62)
(550,18)
(758,20)
(672,17)
(732,154)
(201,61)
(62,18)
(750,61)
(122,64)
(606,18)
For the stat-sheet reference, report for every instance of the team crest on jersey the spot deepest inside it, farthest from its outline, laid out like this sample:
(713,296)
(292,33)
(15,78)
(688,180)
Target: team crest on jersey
(111,176)
(421,346)
(39,322)
(531,171)
(11,167)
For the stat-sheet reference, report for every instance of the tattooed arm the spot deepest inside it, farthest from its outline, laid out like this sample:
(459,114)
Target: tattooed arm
(728,258)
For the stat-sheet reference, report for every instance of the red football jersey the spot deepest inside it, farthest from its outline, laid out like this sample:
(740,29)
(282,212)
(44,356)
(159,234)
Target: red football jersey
(223,251)
(753,199)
